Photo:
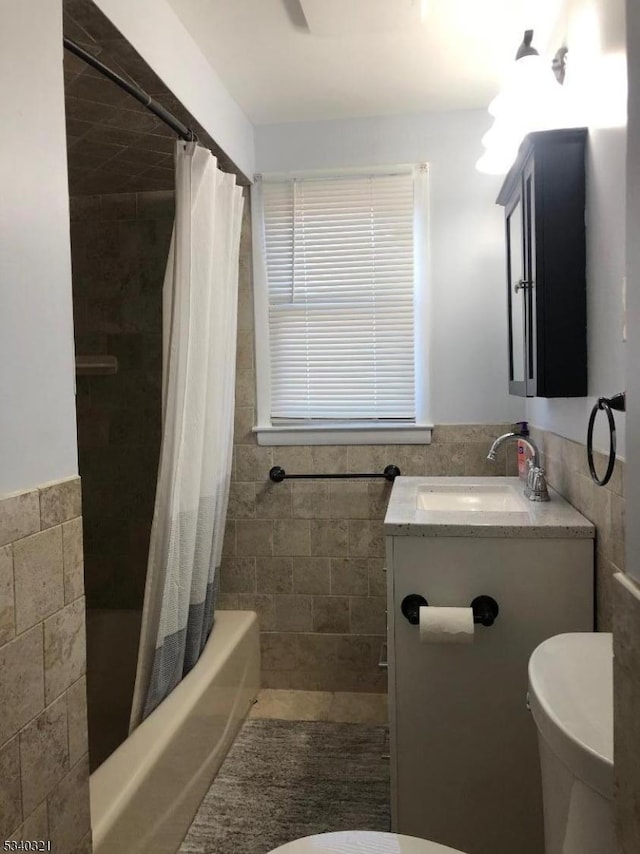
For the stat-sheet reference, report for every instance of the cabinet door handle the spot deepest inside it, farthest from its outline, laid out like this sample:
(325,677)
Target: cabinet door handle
(522,285)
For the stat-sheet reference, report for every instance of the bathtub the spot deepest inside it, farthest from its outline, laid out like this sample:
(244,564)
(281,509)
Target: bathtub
(144,796)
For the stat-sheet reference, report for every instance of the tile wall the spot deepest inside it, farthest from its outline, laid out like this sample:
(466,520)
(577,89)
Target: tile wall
(567,471)
(626,738)
(44,764)
(115,144)
(308,555)
(119,248)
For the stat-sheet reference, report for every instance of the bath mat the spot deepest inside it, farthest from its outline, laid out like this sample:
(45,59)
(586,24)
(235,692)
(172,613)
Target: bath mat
(287,779)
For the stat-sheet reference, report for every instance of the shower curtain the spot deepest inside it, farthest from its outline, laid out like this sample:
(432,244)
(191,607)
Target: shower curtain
(199,342)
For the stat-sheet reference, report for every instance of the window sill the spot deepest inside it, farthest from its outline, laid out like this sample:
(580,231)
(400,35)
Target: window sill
(345,434)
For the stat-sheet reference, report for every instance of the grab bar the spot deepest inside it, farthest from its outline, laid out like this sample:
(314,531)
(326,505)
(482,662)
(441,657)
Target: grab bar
(277,474)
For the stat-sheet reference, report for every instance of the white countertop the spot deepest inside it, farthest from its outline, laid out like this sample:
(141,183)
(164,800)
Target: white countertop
(554,518)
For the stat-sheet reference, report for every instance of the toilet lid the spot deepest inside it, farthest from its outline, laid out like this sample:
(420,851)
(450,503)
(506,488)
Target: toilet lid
(362,842)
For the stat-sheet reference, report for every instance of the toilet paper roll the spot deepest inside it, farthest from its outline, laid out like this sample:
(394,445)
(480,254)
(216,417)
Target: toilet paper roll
(446,625)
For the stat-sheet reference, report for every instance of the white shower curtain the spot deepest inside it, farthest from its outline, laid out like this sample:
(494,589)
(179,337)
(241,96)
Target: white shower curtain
(199,342)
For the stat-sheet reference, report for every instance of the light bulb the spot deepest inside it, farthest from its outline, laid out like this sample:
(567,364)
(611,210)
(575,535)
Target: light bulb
(529,99)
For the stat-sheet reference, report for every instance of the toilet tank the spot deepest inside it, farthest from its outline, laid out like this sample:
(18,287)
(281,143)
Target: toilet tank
(571,700)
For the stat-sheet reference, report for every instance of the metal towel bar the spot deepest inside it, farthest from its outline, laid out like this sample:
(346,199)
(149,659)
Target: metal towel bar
(277,474)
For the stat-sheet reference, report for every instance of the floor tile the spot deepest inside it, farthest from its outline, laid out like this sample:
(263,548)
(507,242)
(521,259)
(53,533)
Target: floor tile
(358,708)
(292,705)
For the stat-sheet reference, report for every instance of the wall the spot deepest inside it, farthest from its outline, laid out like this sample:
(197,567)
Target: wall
(594,32)
(44,765)
(43,735)
(43,753)
(466,240)
(633,284)
(119,248)
(156,32)
(626,590)
(565,463)
(308,555)
(37,416)
(597,27)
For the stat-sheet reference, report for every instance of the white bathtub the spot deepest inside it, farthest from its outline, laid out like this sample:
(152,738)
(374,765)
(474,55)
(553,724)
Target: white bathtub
(144,796)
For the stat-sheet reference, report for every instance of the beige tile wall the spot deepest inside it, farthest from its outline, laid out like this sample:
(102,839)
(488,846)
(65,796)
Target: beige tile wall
(567,471)
(44,767)
(308,555)
(626,625)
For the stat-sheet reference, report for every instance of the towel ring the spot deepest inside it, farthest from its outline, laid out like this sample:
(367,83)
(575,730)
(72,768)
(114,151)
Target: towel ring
(607,404)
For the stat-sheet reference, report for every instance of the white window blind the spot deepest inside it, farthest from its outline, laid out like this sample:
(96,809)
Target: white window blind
(340,279)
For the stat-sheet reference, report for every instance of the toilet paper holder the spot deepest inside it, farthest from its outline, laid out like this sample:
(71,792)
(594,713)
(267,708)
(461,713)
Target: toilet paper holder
(485,609)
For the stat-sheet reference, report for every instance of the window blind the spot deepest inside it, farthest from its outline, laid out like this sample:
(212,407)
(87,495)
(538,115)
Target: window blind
(340,275)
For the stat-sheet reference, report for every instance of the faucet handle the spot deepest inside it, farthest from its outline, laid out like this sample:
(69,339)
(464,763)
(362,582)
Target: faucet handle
(536,484)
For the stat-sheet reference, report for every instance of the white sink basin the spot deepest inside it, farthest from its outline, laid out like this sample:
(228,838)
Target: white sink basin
(470,498)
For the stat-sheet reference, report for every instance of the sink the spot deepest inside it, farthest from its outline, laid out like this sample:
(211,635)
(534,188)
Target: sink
(470,498)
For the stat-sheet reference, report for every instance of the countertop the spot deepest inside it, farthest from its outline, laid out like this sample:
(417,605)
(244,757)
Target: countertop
(554,518)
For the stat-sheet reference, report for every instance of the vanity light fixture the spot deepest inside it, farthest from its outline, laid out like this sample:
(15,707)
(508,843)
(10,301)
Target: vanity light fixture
(559,64)
(531,98)
(525,48)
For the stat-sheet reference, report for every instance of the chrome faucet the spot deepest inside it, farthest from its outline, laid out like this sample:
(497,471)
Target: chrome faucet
(536,487)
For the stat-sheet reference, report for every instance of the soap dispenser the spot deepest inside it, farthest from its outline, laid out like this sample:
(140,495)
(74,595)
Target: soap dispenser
(522,427)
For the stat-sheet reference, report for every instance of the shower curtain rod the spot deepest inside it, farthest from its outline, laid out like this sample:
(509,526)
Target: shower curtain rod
(139,94)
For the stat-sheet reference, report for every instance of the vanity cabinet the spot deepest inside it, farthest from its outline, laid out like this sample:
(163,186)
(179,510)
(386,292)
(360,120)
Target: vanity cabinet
(465,768)
(544,200)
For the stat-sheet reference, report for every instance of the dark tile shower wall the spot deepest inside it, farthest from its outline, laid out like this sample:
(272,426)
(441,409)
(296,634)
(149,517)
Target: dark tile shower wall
(115,144)
(120,244)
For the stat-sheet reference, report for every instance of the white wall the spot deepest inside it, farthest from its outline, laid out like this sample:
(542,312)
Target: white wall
(594,32)
(156,32)
(469,315)
(632,485)
(37,407)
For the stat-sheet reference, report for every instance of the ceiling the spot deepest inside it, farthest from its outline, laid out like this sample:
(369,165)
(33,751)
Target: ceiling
(114,144)
(352,58)
(345,58)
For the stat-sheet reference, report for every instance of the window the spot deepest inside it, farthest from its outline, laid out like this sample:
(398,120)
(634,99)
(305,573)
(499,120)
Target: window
(339,266)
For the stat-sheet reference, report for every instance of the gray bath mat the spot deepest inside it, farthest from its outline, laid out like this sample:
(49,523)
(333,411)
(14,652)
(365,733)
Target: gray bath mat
(287,779)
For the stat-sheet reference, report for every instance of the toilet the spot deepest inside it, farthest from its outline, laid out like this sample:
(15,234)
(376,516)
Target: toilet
(362,842)
(571,700)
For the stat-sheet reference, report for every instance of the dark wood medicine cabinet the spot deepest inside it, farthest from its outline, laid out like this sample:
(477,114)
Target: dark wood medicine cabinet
(544,200)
